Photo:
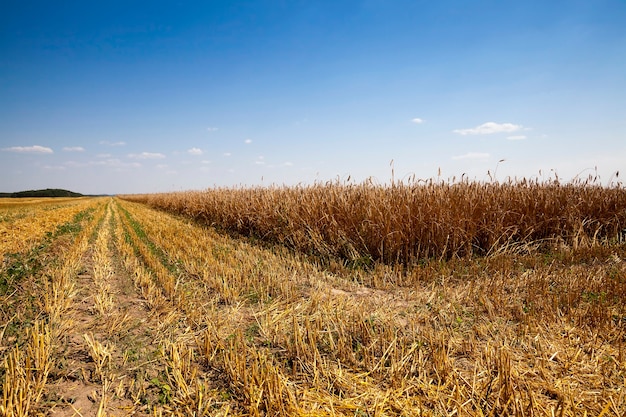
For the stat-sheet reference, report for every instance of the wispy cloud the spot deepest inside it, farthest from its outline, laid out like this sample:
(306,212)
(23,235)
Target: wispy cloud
(73,149)
(54,167)
(147,155)
(29,149)
(110,162)
(417,121)
(116,163)
(195,151)
(516,137)
(108,143)
(227,154)
(247,141)
(472,155)
(212,129)
(74,164)
(489,128)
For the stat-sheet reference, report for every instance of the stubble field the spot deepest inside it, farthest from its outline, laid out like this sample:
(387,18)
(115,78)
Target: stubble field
(349,300)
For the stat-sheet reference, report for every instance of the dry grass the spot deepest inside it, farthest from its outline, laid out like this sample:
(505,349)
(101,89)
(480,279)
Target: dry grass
(27,222)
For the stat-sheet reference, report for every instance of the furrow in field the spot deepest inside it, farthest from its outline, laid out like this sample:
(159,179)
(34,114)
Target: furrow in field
(129,350)
(101,370)
(187,386)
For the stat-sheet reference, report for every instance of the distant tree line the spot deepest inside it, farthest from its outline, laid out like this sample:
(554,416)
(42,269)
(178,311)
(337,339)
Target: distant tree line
(48,192)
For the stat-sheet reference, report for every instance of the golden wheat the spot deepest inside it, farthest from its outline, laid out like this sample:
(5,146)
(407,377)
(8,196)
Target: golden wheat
(408,221)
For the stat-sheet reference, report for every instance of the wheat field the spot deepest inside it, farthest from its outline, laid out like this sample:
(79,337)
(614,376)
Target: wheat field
(415,299)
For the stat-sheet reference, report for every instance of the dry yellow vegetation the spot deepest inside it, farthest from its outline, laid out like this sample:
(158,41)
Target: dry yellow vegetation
(405,222)
(24,221)
(126,310)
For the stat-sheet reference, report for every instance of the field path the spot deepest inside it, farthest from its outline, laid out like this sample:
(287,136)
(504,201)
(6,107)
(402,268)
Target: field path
(110,353)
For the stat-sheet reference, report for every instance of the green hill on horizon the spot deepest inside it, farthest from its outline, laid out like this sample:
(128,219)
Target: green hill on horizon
(48,192)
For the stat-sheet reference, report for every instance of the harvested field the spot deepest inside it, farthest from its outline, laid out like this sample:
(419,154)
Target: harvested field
(220,307)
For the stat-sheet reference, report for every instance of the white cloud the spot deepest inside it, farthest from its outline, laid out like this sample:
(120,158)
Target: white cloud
(195,151)
(516,137)
(247,141)
(74,164)
(29,149)
(54,167)
(107,143)
(162,166)
(74,149)
(417,120)
(147,155)
(206,162)
(288,164)
(227,154)
(472,155)
(110,162)
(212,129)
(119,164)
(489,128)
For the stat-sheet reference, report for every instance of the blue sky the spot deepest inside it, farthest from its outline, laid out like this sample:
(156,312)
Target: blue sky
(133,96)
